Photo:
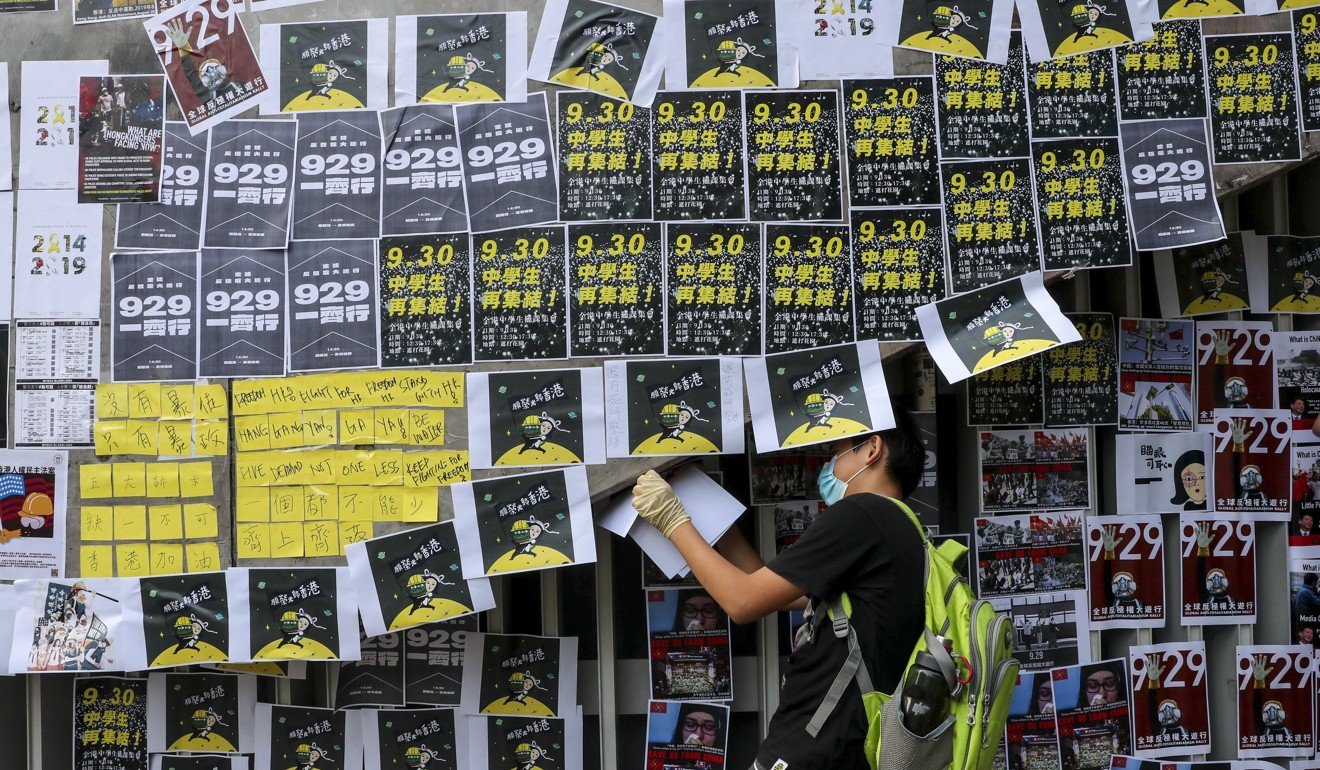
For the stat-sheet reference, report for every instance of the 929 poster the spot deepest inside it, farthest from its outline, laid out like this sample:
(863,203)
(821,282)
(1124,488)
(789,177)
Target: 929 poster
(1126,564)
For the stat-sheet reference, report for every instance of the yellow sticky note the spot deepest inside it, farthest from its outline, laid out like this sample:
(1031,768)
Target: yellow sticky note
(321,466)
(386,467)
(354,532)
(195,480)
(286,540)
(357,426)
(162,479)
(391,426)
(166,522)
(200,521)
(356,503)
(96,561)
(353,467)
(166,558)
(143,437)
(130,479)
(252,432)
(110,437)
(111,401)
(439,468)
(286,430)
(290,468)
(95,480)
(211,438)
(320,503)
(253,396)
(144,399)
(202,557)
(176,402)
(321,538)
(130,522)
(176,439)
(320,427)
(419,504)
(132,560)
(426,427)
(212,403)
(252,541)
(252,469)
(286,504)
(98,523)
(252,504)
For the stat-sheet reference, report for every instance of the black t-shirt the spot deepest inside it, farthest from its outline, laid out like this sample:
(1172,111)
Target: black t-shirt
(865,545)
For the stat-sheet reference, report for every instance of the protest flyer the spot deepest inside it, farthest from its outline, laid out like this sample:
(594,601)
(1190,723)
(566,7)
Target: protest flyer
(186,618)
(75,625)
(1303,589)
(425,300)
(1234,367)
(1252,448)
(690,657)
(1073,97)
(413,738)
(897,265)
(302,614)
(1218,569)
(460,57)
(337,182)
(1170,699)
(434,669)
(1120,762)
(792,141)
(520,294)
(1283,275)
(175,222)
(603,149)
(1006,395)
(1297,378)
(697,156)
(817,396)
(593,46)
(413,577)
(541,417)
(114,706)
(1276,700)
(303,736)
(1030,554)
(1081,206)
(1206,279)
(58,274)
(787,476)
(714,285)
(991,232)
(422,180)
(1305,492)
(375,681)
(1126,571)
(791,521)
(1163,77)
(890,142)
(1049,630)
(33,513)
(1080,382)
(1035,470)
(1170,190)
(502,742)
(240,329)
(1306,49)
(678,733)
(1055,30)
(508,168)
(48,122)
(326,65)
(841,42)
(981,107)
(200,712)
(211,67)
(95,11)
(56,366)
(674,407)
(334,320)
(714,44)
(1163,472)
(1252,90)
(154,322)
(972,30)
(1092,712)
(808,292)
(121,127)
(1030,739)
(249,184)
(1155,371)
(616,290)
(527,522)
(993,326)
(515,675)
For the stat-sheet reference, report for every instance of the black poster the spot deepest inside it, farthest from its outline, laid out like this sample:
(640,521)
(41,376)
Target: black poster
(424,739)
(1291,274)
(423,175)
(889,134)
(1076,28)
(1306,50)
(713,289)
(991,232)
(249,172)
(968,29)
(604,158)
(104,705)
(294,613)
(334,311)
(1073,97)
(425,300)
(697,156)
(982,107)
(311,52)
(537,691)
(1171,192)
(1006,395)
(154,322)
(1164,77)
(898,265)
(508,169)
(416,576)
(733,44)
(507,506)
(337,185)
(201,711)
(175,222)
(435,661)
(793,155)
(1080,204)
(820,389)
(808,287)
(243,296)
(1253,98)
(121,128)
(301,737)
(185,619)
(375,680)
(603,48)
(1208,279)
(1081,378)
(458,57)
(616,290)
(519,285)
(672,407)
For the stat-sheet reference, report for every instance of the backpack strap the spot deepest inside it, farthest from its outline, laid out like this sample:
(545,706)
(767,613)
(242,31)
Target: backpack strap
(853,668)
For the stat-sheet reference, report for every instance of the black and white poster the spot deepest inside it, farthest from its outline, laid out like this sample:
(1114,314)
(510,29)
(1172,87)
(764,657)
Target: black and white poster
(616,290)
(1163,77)
(175,222)
(1207,279)
(206,712)
(1306,49)
(249,173)
(1054,30)
(334,313)
(1073,97)
(891,142)
(713,285)
(532,521)
(793,169)
(1007,395)
(697,156)
(1081,378)
(326,65)
(423,176)
(509,165)
(302,737)
(674,407)
(1081,205)
(435,661)
(420,738)
(898,265)
(991,232)
(115,705)
(425,300)
(1285,281)
(1171,192)
(1048,629)
(56,367)
(337,185)
(808,287)
(376,680)
(605,167)
(460,57)
(535,418)
(978,29)
(730,44)
(1252,92)
(1030,554)
(982,107)
(519,294)
(242,300)
(593,46)
(1035,470)
(154,333)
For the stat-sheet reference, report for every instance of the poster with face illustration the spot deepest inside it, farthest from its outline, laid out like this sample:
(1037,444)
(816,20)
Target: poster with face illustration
(1275,700)
(1209,278)
(524,743)
(33,513)
(817,396)
(1234,367)
(88,624)
(689,655)
(413,577)
(422,739)
(729,44)
(972,29)
(186,618)
(1170,699)
(1054,29)
(1091,711)
(302,614)
(206,713)
(593,46)
(1218,554)
(326,65)
(305,738)
(460,57)
(1126,565)
(1252,449)
(520,523)
(681,733)
(541,417)
(1163,472)
(674,407)
(532,676)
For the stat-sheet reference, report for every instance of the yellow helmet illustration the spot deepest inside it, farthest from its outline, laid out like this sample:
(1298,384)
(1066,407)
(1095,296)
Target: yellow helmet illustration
(413,756)
(416,585)
(727,51)
(199,718)
(1081,14)
(942,16)
(993,335)
(596,53)
(815,405)
(303,752)
(183,627)
(531,426)
(523,752)
(521,532)
(320,74)
(289,621)
(456,67)
(669,415)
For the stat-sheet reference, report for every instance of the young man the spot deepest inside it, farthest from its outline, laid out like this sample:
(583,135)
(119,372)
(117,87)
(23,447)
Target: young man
(862,543)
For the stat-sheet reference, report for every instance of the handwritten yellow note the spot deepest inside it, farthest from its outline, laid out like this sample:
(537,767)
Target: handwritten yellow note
(96,561)
(354,532)
(144,399)
(211,437)
(252,432)
(436,468)
(356,503)
(386,467)
(132,560)
(110,437)
(166,558)
(391,426)
(195,480)
(112,401)
(252,469)
(166,522)
(212,403)
(286,430)
(176,439)
(357,426)
(162,479)
(143,437)
(426,427)
(96,480)
(286,540)
(98,523)
(252,541)
(200,521)
(130,479)
(320,427)
(202,557)
(320,503)
(176,402)
(321,538)
(252,504)
(286,504)
(353,468)
(130,522)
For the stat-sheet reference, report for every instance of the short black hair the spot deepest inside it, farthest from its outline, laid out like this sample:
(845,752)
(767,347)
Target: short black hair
(907,452)
(1310,579)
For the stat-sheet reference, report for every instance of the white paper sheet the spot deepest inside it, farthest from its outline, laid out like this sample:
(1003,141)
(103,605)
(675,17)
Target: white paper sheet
(48,123)
(59,274)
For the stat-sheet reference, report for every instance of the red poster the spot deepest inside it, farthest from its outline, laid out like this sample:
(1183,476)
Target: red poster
(1218,569)
(1126,563)
(1234,367)
(1252,460)
(1276,701)
(1170,699)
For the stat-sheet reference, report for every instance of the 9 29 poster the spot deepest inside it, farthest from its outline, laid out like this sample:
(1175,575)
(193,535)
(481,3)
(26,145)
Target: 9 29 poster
(1126,564)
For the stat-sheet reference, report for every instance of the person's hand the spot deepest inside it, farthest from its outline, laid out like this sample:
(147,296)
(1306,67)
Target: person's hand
(179,37)
(1203,539)
(1240,434)
(1259,671)
(1222,347)
(1154,671)
(1109,540)
(655,501)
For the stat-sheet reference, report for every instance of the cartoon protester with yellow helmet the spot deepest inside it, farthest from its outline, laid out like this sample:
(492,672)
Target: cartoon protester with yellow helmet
(735,67)
(323,95)
(518,697)
(1002,338)
(943,35)
(419,757)
(1214,297)
(1301,300)
(822,422)
(591,75)
(190,647)
(295,627)
(676,434)
(203,736)
(537,448)
(309,756)
(461,69)
(527,755)
(528,551)
(1087,19)
(424,605)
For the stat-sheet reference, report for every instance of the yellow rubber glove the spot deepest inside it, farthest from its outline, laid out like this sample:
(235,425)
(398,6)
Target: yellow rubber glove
(657,504)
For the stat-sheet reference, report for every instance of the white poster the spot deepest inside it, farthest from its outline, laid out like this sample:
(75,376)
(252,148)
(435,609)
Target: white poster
(56,367)
(525,742)
(59,274)
(326,65)
(76,625)
(1163,472)
(838,40)
(33,513)
(201,712)
(48,123)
